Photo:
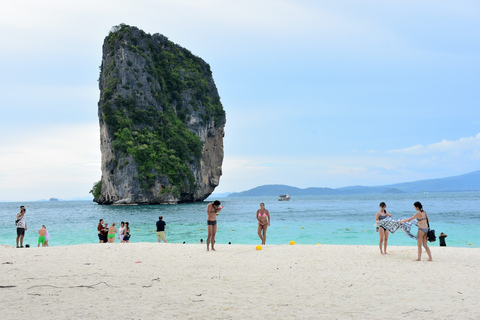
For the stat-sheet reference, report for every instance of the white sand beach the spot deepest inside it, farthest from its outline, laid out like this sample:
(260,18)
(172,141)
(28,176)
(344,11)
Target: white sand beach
(166,281)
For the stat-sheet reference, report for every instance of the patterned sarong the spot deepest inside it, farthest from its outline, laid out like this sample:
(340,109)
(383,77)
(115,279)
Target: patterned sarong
(392,225)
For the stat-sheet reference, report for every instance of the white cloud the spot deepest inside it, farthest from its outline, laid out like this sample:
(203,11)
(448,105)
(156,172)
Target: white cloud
(469,145)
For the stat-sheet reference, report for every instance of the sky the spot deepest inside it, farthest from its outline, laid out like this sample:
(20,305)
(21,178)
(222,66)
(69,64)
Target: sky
(317,93)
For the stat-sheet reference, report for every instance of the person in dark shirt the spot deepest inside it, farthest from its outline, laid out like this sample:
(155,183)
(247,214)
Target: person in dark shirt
(161,230)
(442,237)
(101,230)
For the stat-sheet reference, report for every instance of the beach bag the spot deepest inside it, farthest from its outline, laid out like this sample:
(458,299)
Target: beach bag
(431,233)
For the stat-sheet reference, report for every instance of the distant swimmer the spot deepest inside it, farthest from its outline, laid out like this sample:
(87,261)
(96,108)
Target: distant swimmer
(422,219)
(382,232)
(212,210)
(263,218)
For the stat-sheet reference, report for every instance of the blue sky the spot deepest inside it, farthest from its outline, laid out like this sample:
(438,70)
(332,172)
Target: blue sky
(317,93)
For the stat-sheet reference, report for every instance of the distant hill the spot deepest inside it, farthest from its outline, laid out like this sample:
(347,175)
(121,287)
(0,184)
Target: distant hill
(464,182)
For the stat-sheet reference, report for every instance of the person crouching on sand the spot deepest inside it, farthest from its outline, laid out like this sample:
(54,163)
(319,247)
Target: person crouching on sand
(262,215)
(111,233)
(422,219)
(382,232)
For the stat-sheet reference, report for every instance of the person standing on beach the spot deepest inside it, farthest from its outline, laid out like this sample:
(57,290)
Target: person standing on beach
(21,223)
(212,210)
(422,219)
(382,232)
(262,215)
(100,229)
(41,236)
(105,233)
(47,236)
(121,232)
(442,237)
(161,230)
(111,233)
(126,237)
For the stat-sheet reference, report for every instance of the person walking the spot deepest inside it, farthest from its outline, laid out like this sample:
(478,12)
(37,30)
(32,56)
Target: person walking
(422,219)
(21,223)
(263,223)
(161,230)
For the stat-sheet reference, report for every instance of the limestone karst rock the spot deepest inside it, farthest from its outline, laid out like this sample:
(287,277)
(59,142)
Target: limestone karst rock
(161,122)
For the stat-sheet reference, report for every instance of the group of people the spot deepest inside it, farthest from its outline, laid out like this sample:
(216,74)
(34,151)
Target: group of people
(21,224)
(423,227)
(107,234)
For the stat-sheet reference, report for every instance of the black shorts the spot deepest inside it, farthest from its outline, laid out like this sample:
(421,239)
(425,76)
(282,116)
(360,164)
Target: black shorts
(126,238)
(100,237)
(211,223)
(20,231)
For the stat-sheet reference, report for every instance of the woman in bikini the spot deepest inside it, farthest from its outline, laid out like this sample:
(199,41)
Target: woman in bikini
(422,219)
(111,233)
(262,215)
(382,232)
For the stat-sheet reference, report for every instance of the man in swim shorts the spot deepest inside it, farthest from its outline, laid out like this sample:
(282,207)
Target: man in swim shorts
(161,230)
(41,236)
(212,210)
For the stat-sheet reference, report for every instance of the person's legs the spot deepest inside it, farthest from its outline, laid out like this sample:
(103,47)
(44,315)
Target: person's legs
(381,234)
(214,232)
(18,238)
(265,233)
(425,245)
(209,237)
(385,241)
(420,235)
(260,228)
(21,240)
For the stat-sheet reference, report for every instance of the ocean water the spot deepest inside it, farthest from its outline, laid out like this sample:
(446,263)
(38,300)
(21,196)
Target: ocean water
(339,219)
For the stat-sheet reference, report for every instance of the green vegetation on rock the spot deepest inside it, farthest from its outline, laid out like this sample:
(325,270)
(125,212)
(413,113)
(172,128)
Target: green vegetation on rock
(155,130)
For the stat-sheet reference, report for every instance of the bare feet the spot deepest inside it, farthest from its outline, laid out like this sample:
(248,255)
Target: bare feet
(430,260)
(417,260)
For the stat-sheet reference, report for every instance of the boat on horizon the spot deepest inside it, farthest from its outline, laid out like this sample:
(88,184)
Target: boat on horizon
(284,197)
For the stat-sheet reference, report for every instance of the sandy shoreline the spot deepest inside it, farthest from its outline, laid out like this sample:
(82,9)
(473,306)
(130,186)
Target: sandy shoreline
(164,281)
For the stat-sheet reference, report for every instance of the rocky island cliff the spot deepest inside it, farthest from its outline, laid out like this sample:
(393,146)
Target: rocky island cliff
(161,122)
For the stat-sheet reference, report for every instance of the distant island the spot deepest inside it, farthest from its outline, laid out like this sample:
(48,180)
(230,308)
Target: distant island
(462,183)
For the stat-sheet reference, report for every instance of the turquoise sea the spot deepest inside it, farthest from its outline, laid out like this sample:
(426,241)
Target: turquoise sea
(339,219)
